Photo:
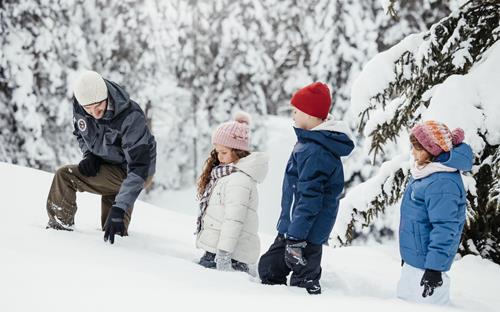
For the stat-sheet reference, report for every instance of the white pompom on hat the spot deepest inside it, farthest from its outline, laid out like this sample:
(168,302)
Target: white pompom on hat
(235,133)
(90,88)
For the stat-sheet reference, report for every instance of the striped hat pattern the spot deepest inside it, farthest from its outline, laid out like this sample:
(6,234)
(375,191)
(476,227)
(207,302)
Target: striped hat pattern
(436,137)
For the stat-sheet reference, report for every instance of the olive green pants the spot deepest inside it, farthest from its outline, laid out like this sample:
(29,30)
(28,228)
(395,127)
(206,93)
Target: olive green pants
(61,202)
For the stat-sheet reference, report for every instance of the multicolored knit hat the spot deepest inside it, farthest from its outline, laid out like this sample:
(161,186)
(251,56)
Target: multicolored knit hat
(234,134)
(436,138)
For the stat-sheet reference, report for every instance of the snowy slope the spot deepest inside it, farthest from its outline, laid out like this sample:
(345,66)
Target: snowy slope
(154,268)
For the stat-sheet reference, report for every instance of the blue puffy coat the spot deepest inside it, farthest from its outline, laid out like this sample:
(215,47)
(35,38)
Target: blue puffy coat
(314,179)
(433,214)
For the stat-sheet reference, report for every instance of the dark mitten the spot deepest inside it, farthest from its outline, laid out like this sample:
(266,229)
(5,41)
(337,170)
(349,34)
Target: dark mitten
(90,165)
(294,253)
(114,225)
(431,280)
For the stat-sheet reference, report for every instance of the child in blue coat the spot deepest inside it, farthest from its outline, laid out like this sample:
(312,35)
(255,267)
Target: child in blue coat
(432,212)
(314,180)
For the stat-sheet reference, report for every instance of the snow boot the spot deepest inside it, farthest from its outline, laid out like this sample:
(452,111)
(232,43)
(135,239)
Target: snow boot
(208,260)
(57,226)
(314,290)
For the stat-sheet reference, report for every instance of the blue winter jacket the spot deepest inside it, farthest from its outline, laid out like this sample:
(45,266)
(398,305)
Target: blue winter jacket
(433,214)
(314,179)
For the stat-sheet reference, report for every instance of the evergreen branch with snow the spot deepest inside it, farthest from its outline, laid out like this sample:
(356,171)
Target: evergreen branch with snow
(451,47)
(418,79)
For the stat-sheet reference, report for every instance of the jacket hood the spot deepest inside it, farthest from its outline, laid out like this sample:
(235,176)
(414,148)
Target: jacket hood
(120,98)
(460,157)
(255,165)
(333,135)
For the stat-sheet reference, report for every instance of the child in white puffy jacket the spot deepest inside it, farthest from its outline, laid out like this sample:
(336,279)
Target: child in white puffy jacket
(227,227)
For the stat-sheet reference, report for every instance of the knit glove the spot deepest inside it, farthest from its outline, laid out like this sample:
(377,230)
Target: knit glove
(294,253)
(223,261)
(430,280)
(114,225)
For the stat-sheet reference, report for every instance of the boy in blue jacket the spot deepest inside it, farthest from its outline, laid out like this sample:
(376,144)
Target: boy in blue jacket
(313,182)
(432,212)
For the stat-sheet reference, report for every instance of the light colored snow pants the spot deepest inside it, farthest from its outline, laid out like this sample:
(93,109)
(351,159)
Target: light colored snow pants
(409,287)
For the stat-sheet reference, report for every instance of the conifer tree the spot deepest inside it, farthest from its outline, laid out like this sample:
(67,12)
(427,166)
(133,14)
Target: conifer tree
(453,47)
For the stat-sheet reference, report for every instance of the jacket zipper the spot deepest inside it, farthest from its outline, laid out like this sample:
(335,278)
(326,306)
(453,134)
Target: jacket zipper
(293,202)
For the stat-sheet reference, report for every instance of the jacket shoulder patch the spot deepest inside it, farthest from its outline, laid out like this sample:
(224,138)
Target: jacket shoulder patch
(82,124)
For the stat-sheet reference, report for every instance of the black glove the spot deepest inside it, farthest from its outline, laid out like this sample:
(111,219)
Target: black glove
(431,280)
(294,253)
(90,165)
(114,224)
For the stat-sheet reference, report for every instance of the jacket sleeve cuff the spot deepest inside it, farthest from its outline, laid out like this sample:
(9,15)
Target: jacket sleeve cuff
(437,261)
(227,244)
(295,235)
(120,205)
(293,238)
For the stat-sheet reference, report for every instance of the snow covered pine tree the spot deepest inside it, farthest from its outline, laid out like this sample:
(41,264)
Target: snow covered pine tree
(449,73)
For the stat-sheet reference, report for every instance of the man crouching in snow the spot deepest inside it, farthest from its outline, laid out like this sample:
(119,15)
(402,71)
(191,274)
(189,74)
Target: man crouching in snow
(314,180)
(119,157)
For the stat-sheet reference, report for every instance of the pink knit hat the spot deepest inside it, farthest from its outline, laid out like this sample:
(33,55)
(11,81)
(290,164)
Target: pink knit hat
(234,134)
(436,138)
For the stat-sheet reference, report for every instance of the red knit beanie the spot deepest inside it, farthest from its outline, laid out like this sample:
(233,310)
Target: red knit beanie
(314,100)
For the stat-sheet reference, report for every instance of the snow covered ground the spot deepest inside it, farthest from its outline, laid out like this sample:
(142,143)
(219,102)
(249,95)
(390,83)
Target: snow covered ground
(154,268)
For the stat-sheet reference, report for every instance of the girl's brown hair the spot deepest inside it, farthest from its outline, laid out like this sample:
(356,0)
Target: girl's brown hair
(416,144)
(212,162)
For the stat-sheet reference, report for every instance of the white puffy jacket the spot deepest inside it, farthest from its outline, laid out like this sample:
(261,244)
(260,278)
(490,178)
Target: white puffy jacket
(231,222)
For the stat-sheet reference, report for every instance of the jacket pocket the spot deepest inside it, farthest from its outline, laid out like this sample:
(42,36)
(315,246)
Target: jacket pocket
(416,238)
(424,236)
